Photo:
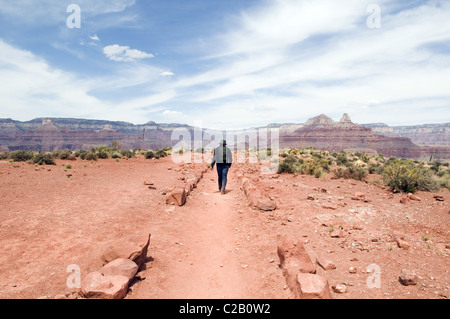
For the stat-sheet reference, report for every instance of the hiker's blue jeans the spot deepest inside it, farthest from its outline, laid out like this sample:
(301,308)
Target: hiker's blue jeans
(222,172)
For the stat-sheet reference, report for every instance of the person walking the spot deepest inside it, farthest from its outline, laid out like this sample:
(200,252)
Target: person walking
(223,158)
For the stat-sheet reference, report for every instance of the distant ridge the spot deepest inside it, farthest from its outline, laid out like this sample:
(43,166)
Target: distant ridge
(321,132)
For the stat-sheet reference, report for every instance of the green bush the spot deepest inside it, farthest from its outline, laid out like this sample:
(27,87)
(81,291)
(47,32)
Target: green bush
(79,153)
(160,153)
(4,156)
(103,154)
(149,155)
(21,156)
(351,172)
(44,159)
(127,153)
(88,156)
(341,158)
(290,165)
(64,154)
(115,155)
(444,181)
(406,176)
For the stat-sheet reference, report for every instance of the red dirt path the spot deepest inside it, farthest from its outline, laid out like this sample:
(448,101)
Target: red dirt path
(215,246)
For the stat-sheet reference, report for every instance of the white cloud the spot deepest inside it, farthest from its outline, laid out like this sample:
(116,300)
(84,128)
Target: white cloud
(120,53)
(167,73)
(94,37)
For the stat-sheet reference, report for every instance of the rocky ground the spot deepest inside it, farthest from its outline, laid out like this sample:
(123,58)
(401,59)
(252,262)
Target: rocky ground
(217,246)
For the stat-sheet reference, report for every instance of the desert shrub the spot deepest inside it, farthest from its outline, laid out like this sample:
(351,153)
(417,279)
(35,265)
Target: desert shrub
(290,165)
(341,158)
(103,154)
(44,159)
(444,181)
(319,172)
(127,153)
(160,153)
(4,155)
(149,154)
(406,176)
(115,155)
(435,166)
(61,154)
(21,156)
(88,156)
(351,172)
(79,153)
(376,168)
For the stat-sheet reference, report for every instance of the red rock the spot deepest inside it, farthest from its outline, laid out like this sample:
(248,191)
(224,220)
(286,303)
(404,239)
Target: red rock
(130,247)
(403,244)
(292,253)
(439,198)
(326,264)
(340,288)
(352,270)
(313,286)
(338,233)
(408,278)
(414,197)
(329,206)
(290,275)
(264,204)
(98,286)
(177,197)
(120,267)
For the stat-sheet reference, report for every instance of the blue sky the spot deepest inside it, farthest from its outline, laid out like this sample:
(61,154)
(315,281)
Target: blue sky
(228,64)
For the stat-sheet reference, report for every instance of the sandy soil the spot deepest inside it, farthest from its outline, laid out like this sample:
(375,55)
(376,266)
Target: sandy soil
(215,246)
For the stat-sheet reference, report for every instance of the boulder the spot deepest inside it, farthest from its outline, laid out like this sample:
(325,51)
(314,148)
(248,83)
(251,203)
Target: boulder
(325,264)
(177,197)
(99,286)
(403,244)
(293,254)
(290,275)
(408,278)
(120,267)
(313,286)
(262,203)
(130,247)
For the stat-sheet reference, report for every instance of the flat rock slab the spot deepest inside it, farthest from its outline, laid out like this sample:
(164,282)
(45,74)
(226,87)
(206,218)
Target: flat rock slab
(130,247)
(98,286)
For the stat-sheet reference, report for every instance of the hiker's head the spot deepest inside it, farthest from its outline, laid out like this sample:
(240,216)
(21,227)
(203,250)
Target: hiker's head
(223,142)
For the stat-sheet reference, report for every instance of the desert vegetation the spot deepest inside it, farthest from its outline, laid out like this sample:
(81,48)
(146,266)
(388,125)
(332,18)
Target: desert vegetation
(101,152)
(401,175)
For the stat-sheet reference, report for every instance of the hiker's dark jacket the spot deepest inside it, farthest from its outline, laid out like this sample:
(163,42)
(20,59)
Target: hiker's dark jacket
(222,155)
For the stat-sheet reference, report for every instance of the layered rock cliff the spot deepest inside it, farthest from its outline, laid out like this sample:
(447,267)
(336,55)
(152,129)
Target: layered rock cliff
(320,132)
(428,134)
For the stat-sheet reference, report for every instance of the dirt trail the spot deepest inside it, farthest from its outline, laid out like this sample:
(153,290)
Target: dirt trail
(208,264)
